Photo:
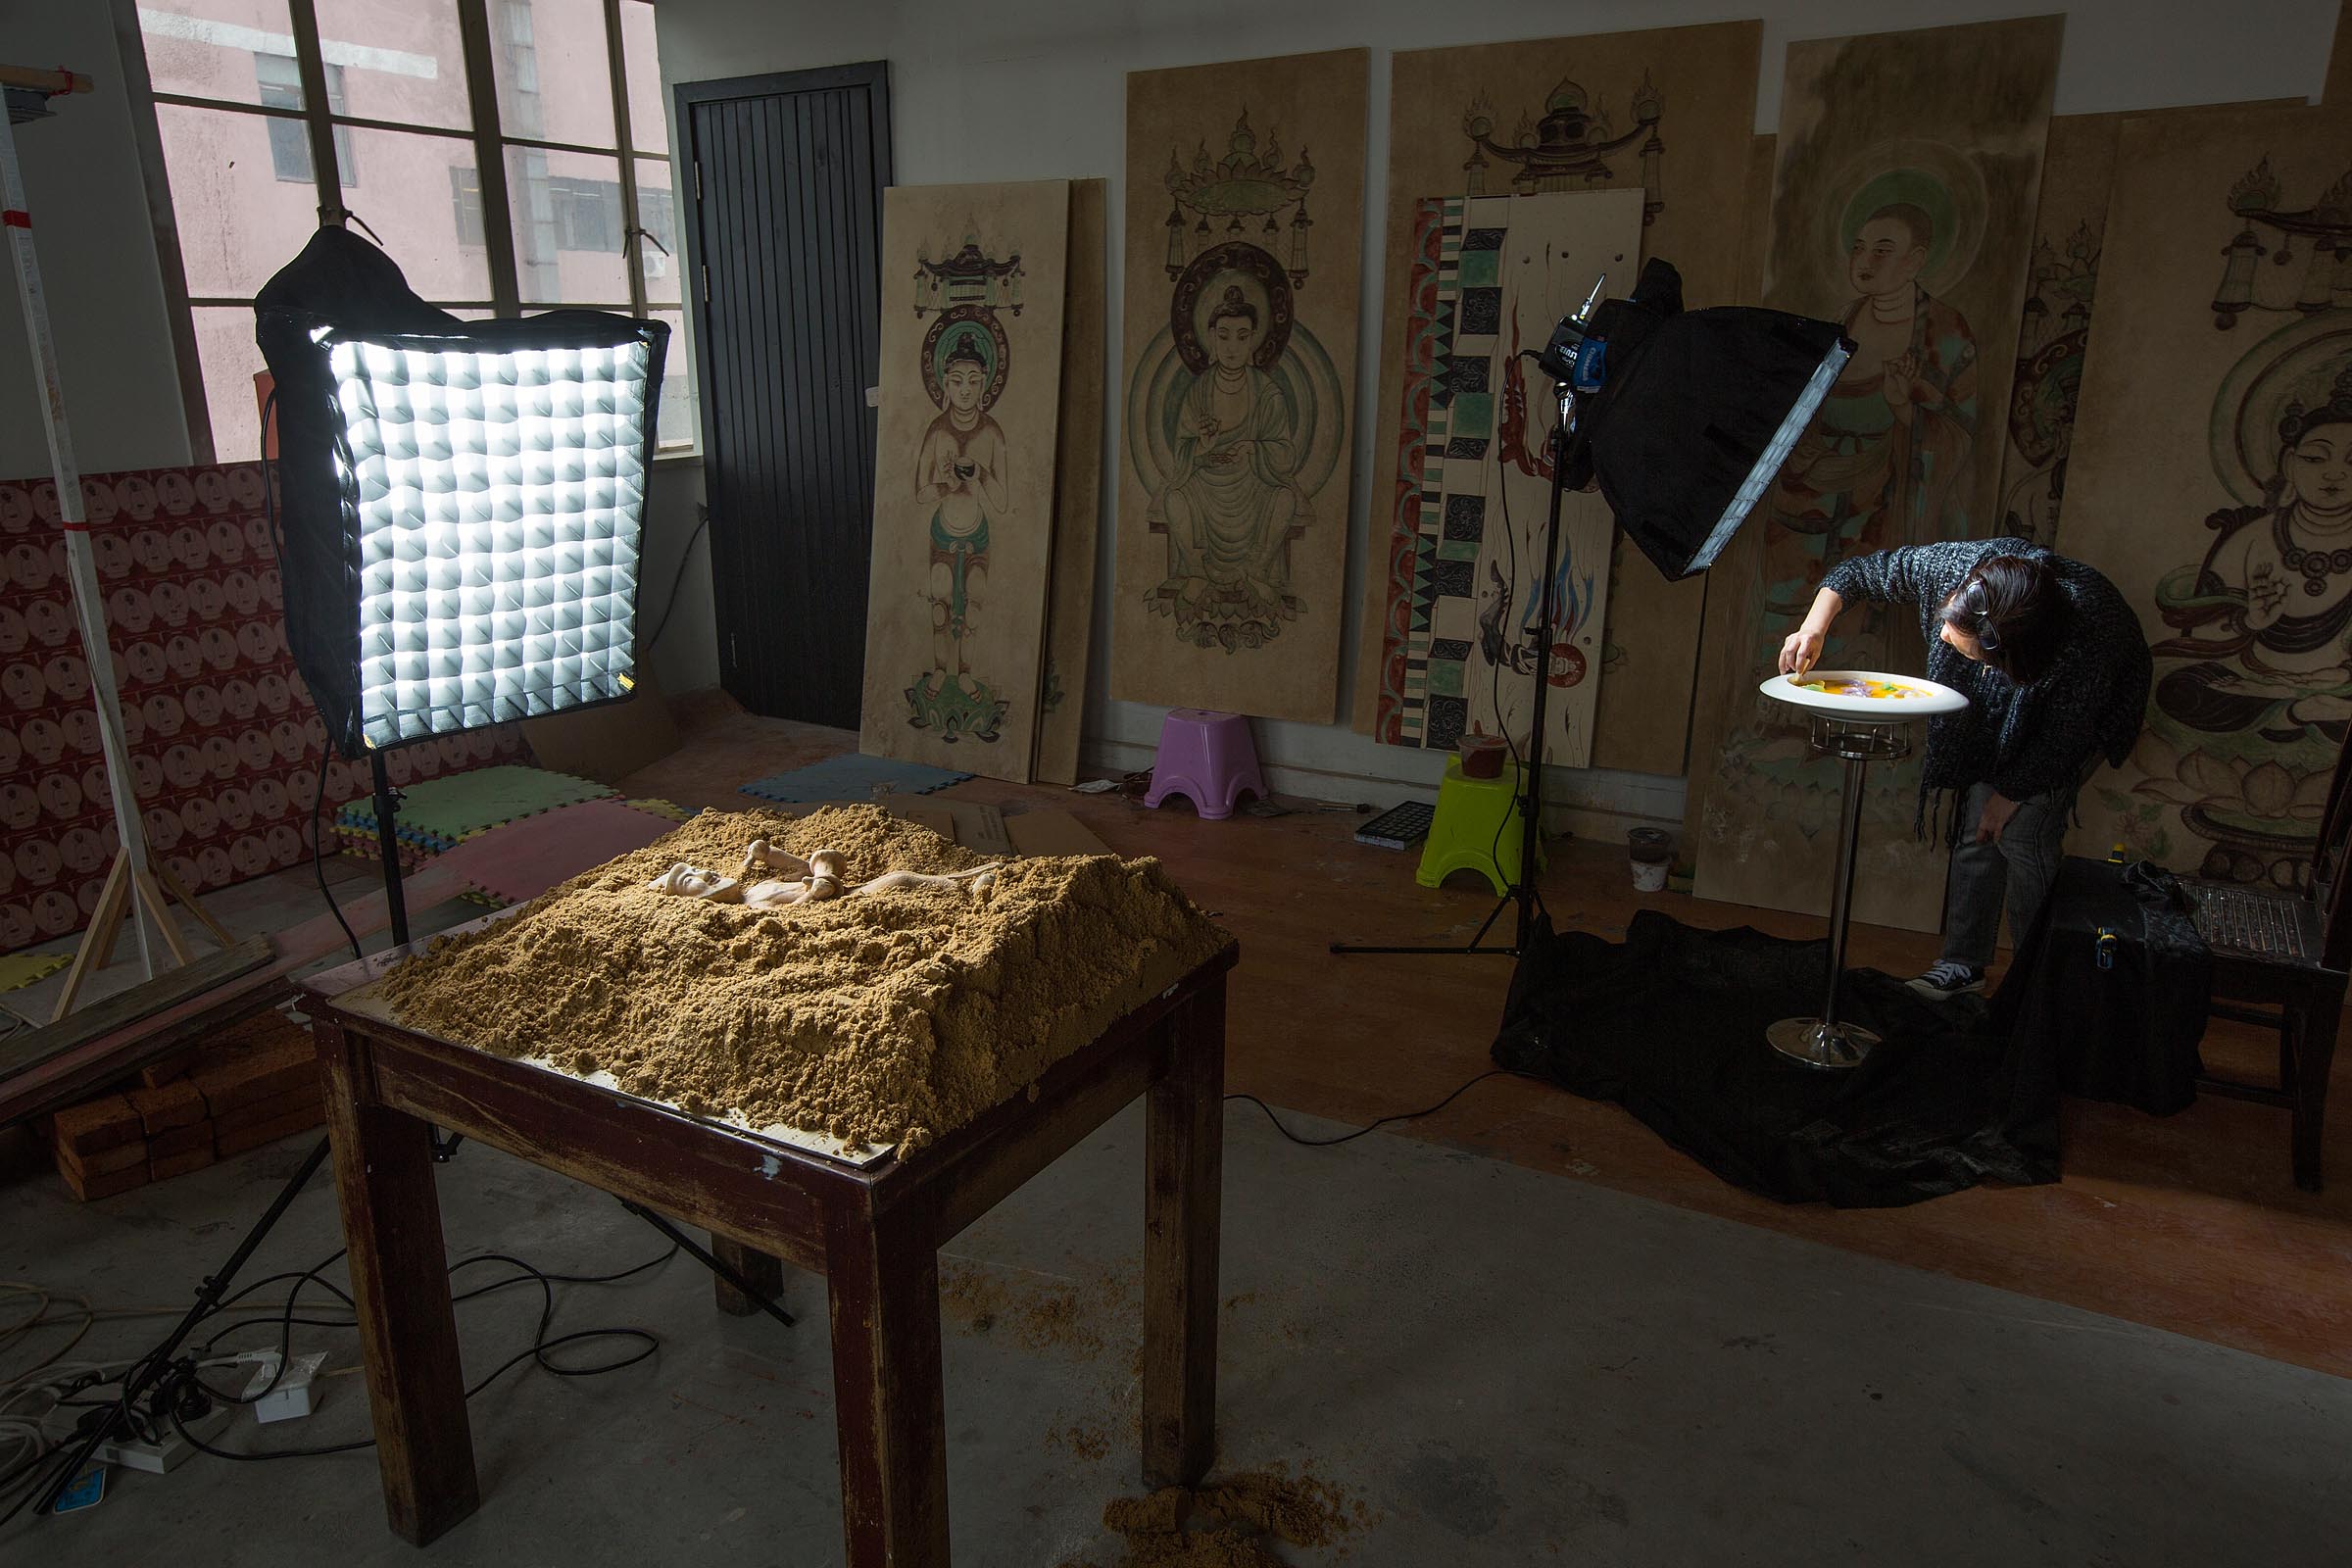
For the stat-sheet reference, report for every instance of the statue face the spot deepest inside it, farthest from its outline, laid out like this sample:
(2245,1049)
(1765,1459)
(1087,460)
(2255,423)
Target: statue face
(2318,468)
(1883,258)
(1231,338)
(963,382)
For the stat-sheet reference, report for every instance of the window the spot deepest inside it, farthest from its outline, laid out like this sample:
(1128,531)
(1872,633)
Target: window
(281,81)
(558,188)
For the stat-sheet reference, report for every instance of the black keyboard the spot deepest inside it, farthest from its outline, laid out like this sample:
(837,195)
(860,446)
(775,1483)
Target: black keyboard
(1400,827)
(2243,921)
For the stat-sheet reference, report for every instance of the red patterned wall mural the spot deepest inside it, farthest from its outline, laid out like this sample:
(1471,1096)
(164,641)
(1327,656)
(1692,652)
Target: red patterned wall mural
(223,740)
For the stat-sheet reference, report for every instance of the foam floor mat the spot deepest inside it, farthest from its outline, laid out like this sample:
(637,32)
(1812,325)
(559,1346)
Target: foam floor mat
(443,811)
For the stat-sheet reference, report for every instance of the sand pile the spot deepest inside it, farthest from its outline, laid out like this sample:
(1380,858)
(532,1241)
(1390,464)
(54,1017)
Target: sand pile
(885,1019)
(1231,1522)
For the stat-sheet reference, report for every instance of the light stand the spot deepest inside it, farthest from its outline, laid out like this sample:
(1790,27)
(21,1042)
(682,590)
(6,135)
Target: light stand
(1565,444)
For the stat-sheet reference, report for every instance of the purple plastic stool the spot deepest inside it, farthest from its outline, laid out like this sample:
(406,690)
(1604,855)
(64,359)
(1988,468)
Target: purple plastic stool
(1208,758)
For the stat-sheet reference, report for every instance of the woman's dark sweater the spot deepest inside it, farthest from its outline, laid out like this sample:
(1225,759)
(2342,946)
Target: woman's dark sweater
(2023,740)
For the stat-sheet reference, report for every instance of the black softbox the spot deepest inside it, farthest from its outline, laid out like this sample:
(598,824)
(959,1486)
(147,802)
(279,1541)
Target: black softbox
(1694,412)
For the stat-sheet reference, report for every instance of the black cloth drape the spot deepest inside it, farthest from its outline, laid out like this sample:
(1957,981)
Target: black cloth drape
(1670,1024)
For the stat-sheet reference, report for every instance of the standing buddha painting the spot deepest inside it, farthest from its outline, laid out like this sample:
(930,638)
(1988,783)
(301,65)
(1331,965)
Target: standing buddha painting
(1241,344)
(1902,207)
(964,487)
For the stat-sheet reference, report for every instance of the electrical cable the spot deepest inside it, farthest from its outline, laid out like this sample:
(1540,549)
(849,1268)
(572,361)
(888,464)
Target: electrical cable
(1403,1115)
(173,1393)
(678,581)
(277,536)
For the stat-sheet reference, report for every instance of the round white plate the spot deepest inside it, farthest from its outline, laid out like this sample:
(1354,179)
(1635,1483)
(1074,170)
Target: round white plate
(1929,697)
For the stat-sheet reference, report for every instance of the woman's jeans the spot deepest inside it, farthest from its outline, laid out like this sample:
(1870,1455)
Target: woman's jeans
(2014,871)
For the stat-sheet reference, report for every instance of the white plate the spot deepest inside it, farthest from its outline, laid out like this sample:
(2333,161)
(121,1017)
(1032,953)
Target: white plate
(1934,697)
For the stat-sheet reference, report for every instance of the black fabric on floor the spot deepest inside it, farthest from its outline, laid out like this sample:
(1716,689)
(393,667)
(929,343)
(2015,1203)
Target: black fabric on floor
(1670,1024)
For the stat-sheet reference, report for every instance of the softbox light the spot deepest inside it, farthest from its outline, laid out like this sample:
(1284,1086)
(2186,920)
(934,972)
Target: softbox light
(462,501)
(1687,416)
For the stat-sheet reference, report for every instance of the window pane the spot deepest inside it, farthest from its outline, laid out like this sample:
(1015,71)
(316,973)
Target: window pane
(225,352)
(239,219)
(648,125)
(567,226)
(406,194)
(555,81)
(205,48)
(674,419)
(401,59)
(657,210)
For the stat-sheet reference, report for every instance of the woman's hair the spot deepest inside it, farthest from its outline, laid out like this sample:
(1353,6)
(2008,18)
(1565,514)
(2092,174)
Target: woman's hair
(2012,606)
(1235,303)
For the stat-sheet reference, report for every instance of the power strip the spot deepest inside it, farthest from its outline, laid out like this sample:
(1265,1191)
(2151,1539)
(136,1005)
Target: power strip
(156,1457)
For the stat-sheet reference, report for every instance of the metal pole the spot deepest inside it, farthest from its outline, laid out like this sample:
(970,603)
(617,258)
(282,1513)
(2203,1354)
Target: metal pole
(81,568)
(1530,827)
(1841,889)
(387,842)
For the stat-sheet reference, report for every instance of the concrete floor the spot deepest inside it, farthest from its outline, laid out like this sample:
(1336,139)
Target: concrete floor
(1507,1367)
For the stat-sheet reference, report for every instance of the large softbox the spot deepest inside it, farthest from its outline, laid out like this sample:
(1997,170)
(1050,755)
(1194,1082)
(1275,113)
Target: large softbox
(462,501)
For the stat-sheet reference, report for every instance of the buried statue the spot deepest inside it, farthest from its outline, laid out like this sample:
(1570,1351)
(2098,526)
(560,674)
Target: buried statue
(803,881)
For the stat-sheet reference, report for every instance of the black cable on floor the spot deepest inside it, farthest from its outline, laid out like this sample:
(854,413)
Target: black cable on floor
(176,1389)
(1403,1115)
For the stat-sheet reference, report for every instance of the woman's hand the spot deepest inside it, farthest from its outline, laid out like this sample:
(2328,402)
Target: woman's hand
(1994,820)
(1801,652)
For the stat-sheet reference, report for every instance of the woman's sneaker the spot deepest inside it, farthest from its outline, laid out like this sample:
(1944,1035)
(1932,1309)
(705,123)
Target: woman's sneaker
(1948,979)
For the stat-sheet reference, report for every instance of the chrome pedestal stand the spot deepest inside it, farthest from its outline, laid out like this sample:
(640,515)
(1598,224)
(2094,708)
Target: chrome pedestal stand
(1828,1042)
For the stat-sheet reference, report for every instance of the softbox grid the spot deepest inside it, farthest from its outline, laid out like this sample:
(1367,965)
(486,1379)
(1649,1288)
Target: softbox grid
(496,501)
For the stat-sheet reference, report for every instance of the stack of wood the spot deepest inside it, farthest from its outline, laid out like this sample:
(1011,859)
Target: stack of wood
(248,1087)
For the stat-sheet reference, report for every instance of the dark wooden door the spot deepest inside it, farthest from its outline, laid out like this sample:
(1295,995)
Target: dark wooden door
(783,207)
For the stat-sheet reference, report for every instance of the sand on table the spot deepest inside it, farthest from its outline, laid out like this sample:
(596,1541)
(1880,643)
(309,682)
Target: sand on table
(883,1018)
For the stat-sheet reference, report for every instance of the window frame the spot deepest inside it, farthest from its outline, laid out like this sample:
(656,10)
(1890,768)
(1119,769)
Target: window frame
(328,135)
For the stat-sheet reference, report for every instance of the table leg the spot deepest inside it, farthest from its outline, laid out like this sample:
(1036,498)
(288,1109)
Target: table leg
(764,1272)
(882,1276)
(1184,1157)
(399,1294)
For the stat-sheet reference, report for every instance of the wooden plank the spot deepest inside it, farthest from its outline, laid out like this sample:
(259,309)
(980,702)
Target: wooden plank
(399,1294)
(97,941)
(1077,491)
(758,1193)
(188,902)
(1183,1143)
(126,1006)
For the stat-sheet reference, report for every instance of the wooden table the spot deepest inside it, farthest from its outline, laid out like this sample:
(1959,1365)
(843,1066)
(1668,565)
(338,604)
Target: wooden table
(873,1232)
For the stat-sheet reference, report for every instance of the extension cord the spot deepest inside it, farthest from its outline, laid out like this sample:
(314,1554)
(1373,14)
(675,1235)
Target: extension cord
(157,1457)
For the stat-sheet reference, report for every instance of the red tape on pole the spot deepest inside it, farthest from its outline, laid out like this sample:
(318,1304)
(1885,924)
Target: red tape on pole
(16,217)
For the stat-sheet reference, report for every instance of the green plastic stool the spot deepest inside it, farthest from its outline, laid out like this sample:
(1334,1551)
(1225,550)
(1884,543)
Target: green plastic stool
(1478,828)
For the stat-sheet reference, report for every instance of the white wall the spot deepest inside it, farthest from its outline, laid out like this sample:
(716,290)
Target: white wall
(1037,90)
(96,244)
